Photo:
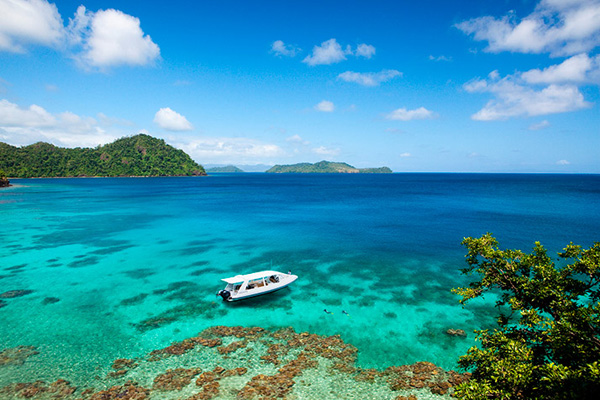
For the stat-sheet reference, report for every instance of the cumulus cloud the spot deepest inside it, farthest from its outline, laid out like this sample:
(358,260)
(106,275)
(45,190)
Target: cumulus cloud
(227,150)
(364,50)
(112,38)
(577,69)
(26,125)
(515,98)
(101,39)
(405,155)
(172,120)
(324,151)
(369,78)
(402,114)
(25,22)
(282,49)
(557,27)
(331,52)
(325,106)
(540,125)
(562,162)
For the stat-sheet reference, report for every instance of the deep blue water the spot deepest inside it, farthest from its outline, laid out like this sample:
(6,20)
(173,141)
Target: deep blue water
(132,264)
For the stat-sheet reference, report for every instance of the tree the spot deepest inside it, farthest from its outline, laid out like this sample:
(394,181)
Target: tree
(547,343)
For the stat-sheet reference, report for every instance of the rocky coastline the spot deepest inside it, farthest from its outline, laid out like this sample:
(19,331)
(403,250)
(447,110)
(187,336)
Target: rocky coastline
(4,182)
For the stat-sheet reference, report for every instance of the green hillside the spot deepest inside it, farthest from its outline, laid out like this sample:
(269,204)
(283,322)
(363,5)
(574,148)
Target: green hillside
(139,155)
(326,167)
(225,169)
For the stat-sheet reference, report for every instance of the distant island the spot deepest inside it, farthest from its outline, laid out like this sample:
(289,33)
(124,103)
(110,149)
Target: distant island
(139,155)
(326,167)
(226,169)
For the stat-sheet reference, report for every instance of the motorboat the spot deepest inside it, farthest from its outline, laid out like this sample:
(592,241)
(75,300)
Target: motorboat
(244,286)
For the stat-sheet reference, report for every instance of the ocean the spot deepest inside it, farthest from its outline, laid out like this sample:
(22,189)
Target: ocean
(108,268)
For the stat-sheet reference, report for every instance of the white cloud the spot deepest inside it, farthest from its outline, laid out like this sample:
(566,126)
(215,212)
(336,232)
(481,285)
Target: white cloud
(365,50)
(562,162)
(556,26)
(325,106)
(25,22)
(282,49)
(297,139)
(440,58)
(369,78)
(101,39)
(227,150)
(402,114)
(331,52)
(172,120)
(322,150)
(405,155)
(514,98)
(112,38)
(577,69)
(24,126)
(540,125)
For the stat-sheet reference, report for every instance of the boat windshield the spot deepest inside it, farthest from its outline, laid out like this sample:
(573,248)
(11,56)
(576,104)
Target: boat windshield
(233,287)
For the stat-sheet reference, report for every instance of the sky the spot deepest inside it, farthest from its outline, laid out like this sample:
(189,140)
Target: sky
(428,86)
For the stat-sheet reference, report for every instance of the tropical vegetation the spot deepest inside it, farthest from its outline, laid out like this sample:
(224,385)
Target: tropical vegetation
(547,341)
(139,155)
(326,167)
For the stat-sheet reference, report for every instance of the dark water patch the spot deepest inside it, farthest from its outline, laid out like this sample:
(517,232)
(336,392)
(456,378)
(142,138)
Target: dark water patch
(365,301)
(140,273)
(435,333)
(4,276)
(174,287)
(84,262)
(332,301)
(204,271)
(111,250)
(11,294)
(93,230)
(50,300)
(53,260)
(16,267)
(195,250)
(203,242)
(200,263)
(81,256)
(201,309)
(3,303)
(135,300)
(54,265)
(390,315)
(164,241)
(13,246)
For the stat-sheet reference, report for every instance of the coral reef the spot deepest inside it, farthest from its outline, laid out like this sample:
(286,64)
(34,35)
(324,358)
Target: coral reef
(16,355)
(246,364)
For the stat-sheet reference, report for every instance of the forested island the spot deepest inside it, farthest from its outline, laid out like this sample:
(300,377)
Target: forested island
(139,155)
(225,169)
(326,167)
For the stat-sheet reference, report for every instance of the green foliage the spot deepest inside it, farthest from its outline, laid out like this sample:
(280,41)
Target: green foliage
(2,174)
(139,155)
(226,169)
(324,167)
(547,344)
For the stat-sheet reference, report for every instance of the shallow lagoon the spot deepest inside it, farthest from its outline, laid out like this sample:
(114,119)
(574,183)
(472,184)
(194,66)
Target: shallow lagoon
(120,267)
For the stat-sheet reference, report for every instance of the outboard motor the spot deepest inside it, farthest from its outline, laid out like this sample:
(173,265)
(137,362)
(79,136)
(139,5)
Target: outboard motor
(224,294)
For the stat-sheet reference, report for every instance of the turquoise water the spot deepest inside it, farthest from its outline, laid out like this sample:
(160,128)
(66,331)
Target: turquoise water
(119,267)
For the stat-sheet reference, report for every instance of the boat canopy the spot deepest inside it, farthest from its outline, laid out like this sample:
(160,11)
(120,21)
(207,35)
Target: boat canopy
(249,277)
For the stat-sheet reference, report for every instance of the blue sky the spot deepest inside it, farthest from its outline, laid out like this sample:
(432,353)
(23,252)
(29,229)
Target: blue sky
(467,86)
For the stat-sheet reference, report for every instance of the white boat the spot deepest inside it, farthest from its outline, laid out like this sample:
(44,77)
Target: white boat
(244,286)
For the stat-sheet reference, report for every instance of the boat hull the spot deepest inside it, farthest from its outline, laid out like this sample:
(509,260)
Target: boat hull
(248,296)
